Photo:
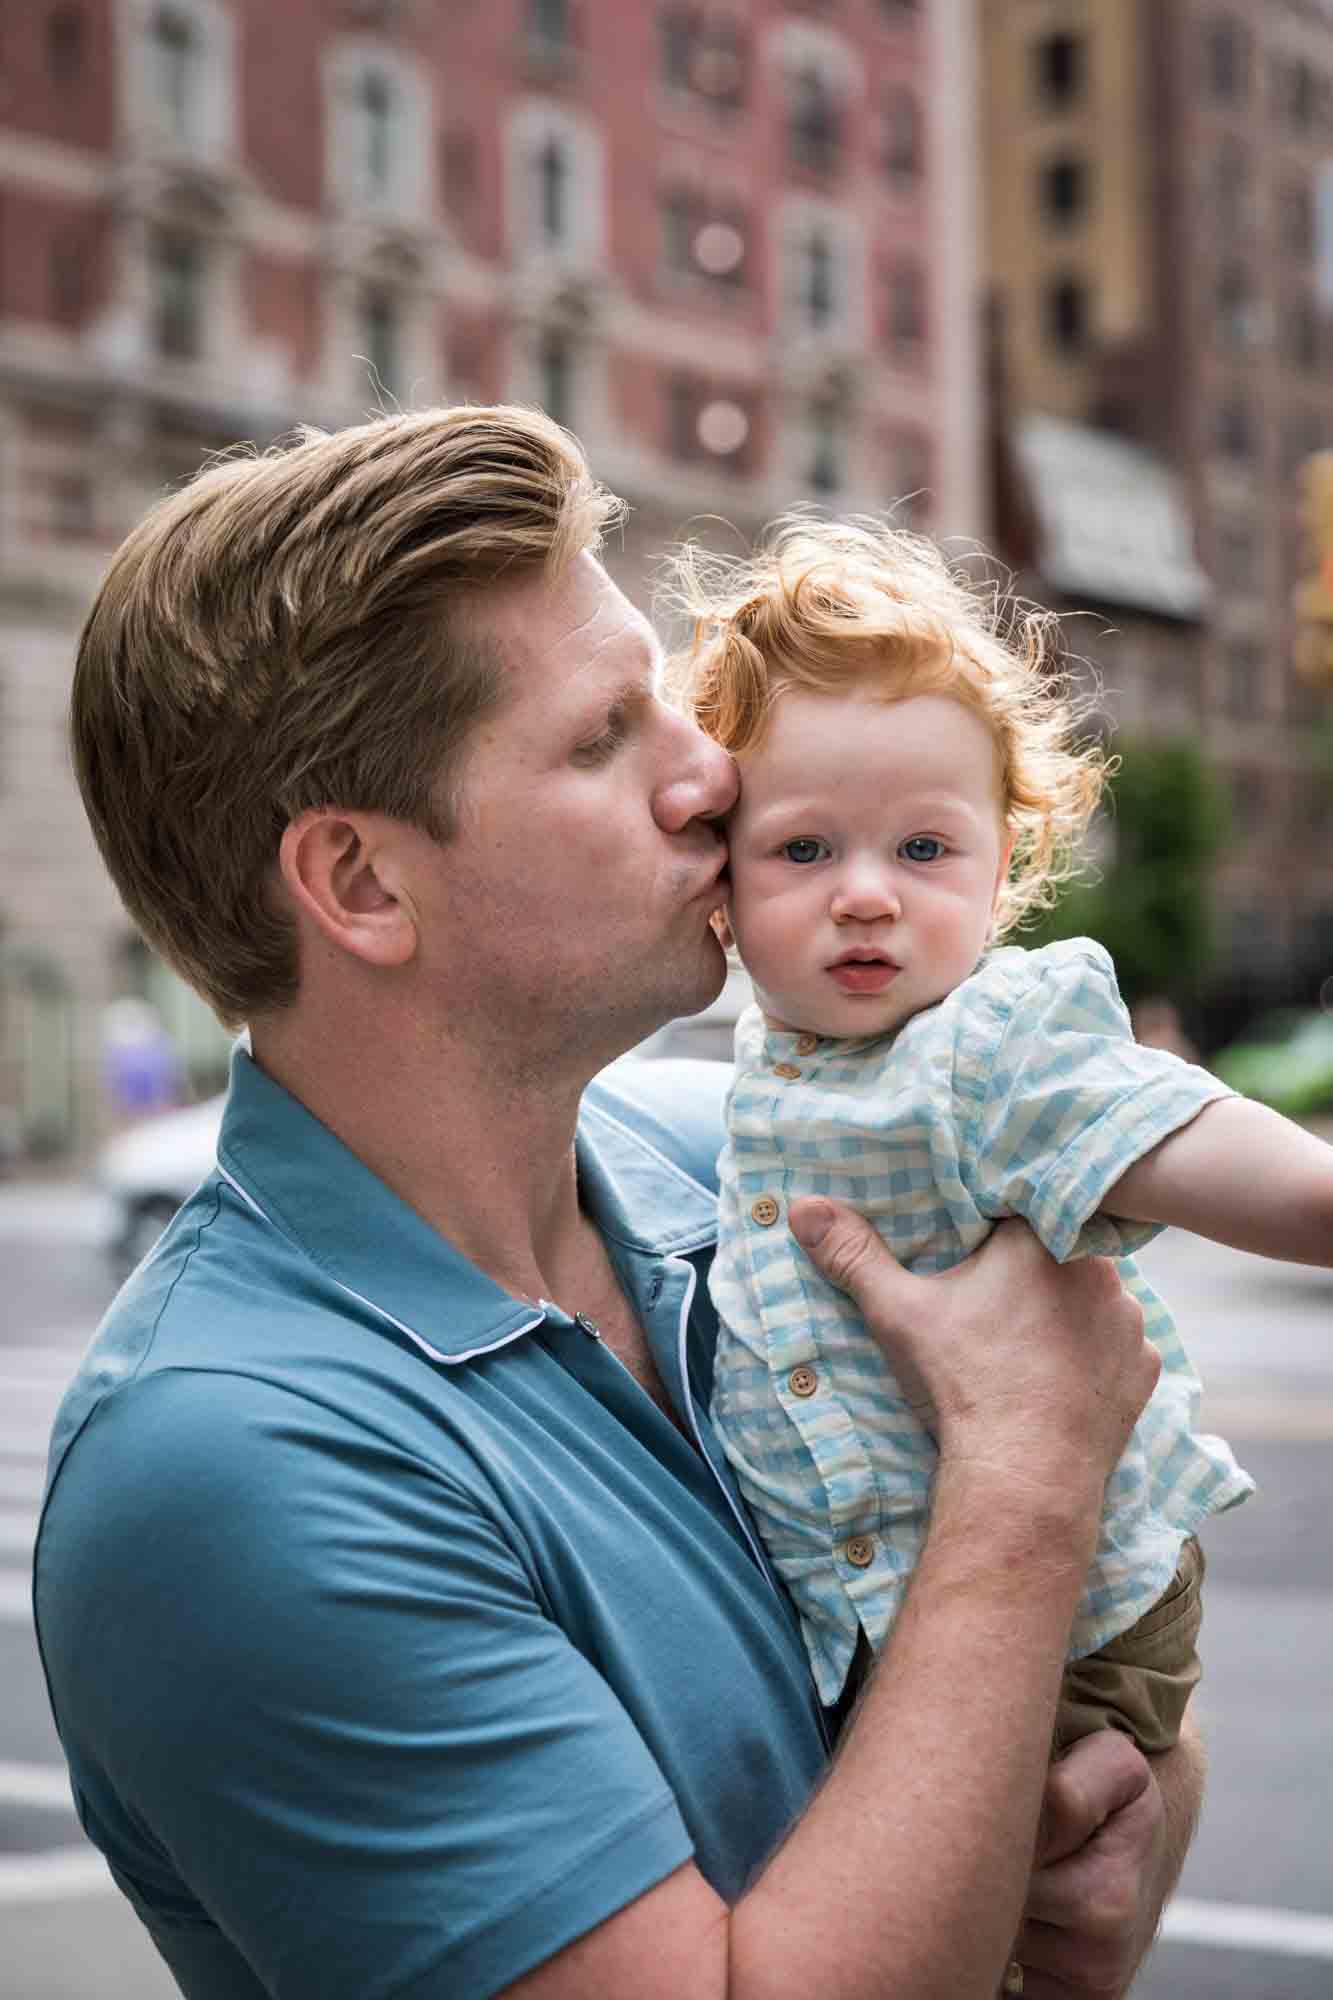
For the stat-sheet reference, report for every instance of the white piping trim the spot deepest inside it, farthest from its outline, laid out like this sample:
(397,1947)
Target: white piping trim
(682,1357)
(418,1340)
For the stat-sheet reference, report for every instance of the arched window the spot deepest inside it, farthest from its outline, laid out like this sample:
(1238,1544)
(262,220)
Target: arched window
(555,371)
(817,287)
(375,105)
(176,277)
(381,335)
(175,69)
(815,127)
(552,171)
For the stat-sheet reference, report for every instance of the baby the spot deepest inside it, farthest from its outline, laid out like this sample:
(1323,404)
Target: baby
(909,790)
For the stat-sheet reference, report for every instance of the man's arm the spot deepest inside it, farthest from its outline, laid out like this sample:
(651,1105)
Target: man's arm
(906,1874)
(1240,1174)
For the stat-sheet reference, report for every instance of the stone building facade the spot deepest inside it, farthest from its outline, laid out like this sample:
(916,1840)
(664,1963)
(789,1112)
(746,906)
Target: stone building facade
(730,244)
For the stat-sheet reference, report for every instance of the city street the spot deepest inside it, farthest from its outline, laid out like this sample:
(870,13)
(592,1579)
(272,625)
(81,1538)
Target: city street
(1255,1913)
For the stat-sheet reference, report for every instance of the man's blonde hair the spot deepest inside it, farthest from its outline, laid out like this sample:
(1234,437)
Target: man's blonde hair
(296,629)
(861,606)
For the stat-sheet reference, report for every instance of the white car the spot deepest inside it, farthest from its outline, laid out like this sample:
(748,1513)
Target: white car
(147,1172)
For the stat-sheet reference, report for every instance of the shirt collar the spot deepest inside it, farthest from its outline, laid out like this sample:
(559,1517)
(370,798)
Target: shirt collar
(305,1182)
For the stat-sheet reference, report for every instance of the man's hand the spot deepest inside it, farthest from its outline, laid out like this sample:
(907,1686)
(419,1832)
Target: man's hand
(1010,1359)
(1113,1835)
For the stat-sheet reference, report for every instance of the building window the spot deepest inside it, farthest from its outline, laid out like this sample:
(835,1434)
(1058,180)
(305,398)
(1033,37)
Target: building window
(909,481)
(68,278)
(549,23)
(1237,559)
(375,114)
(175,70)
(1301,96)
(698,241)
(1067,315)
(814,122)
(1059,66)
(1303,331)
(1228,58)
(176,279)
(902,137)
(897,12)
(1296,216)
(1236,308)
(1064,191)
(555,375)
(551,170)
(72,517)
(1231,187)
(381,339)
(703,54)
(905,307)
(1243,666)
(705,425)
(1233,428)
(818,300)
(64,44)
(827,447)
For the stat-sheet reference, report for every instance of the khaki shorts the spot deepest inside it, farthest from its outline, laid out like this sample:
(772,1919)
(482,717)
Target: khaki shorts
(1141,1682)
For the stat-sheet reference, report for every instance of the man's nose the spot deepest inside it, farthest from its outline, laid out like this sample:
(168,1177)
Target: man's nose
(700,781)
(865,892)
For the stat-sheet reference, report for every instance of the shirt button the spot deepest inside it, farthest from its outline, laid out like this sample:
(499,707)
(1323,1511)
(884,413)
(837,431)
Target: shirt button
(789,1070)
(860,1551)
(806,1044)
(803,1381)
(764,1211)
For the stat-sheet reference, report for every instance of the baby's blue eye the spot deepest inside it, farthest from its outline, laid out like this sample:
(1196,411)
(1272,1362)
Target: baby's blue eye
(804,850)
(922,847)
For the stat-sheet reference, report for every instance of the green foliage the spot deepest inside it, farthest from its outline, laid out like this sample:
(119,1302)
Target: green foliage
(1150,904)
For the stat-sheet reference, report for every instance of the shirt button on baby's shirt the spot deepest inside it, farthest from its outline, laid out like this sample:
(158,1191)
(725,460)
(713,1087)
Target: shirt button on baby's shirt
(806,1044)
(764,1211)
(859,1551)
(789,1070)
(803,1381)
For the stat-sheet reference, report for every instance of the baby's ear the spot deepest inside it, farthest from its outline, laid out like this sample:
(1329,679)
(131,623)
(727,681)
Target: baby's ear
(722,930)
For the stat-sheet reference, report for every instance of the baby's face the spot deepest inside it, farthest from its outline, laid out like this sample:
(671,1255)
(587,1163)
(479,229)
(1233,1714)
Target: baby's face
(867,850)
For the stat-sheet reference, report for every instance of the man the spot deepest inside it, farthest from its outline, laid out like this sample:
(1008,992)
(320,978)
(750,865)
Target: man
(402,1628)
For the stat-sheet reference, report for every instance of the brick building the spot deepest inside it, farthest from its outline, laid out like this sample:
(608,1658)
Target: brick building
(730,244)
(1160,246)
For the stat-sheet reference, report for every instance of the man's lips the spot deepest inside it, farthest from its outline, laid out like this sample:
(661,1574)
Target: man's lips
(864,972)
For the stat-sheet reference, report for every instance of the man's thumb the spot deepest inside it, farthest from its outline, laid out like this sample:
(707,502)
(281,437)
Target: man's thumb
(839,1241)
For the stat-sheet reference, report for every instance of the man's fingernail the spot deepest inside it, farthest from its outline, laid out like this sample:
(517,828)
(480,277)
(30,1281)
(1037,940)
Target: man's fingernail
(811,1223)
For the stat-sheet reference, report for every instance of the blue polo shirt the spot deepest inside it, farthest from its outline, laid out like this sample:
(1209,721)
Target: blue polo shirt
(394,1636)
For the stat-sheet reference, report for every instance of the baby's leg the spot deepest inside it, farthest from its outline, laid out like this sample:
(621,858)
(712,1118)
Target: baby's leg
(1143,1680)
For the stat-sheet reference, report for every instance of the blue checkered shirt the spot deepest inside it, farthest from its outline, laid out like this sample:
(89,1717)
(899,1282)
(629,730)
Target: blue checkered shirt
(1024,1093)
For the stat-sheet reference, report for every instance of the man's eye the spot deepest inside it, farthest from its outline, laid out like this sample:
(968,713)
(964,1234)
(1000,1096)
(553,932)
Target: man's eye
(602,748)
(922,847)
(804,850)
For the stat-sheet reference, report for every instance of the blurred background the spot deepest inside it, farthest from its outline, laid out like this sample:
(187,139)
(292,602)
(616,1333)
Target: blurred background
(1051,277)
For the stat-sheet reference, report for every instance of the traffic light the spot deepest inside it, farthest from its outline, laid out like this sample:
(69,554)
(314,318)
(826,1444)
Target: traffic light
(1313,599)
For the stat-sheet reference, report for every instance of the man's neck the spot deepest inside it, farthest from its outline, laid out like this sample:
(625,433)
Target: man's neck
(485,1159)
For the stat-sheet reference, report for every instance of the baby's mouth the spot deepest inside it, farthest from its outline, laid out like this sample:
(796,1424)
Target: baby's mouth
(864,970)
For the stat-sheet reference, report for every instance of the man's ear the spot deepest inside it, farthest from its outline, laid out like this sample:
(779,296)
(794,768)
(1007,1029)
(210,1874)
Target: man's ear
(338,869)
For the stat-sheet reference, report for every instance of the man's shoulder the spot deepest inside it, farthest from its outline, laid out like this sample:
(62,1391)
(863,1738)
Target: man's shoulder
(673,1106)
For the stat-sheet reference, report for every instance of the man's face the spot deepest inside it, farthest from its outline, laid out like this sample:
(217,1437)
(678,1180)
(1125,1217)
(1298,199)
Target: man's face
(866,854)
(570,910)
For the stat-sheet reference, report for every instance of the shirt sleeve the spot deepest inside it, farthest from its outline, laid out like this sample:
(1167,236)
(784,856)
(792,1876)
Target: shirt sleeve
(1070,1101)
(382,1767)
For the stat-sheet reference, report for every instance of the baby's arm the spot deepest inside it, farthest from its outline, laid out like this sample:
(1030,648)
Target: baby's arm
(1240,1174)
